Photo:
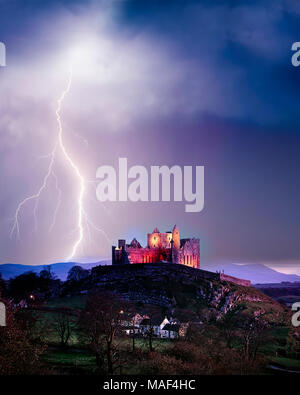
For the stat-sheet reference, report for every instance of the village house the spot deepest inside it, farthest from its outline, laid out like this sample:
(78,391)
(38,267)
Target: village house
(174,330)
(170,331)
(131,323)
(141,324)
(156,324)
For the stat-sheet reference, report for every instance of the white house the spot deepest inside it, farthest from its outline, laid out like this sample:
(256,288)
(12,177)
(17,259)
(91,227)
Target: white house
(155,324)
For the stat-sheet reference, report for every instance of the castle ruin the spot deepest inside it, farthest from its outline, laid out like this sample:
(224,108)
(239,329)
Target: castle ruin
(161,247)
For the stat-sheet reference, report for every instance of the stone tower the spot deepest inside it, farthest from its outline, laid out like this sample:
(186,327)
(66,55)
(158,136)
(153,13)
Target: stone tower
(175,244)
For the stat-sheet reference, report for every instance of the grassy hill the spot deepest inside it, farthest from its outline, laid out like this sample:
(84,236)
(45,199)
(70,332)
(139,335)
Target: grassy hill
(175,289)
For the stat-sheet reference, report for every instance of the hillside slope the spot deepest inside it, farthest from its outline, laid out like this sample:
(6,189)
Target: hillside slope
(177,287)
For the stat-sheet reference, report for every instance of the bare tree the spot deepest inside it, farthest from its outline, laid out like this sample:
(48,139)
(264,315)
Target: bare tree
(254,332)
(149,335)
(228,324)
(133,335)
(101,322)
(63,325)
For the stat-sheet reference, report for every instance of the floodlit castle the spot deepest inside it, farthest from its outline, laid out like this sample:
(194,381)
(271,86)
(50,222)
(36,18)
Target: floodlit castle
(161,247)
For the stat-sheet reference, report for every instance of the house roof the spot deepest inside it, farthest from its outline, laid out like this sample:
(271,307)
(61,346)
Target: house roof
(171,327)
(146,321)
(153,321)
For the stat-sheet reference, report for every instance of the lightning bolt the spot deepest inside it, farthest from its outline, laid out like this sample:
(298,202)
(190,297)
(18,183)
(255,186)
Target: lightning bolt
(58,203)
(81,213)
(73,166)
(35,197)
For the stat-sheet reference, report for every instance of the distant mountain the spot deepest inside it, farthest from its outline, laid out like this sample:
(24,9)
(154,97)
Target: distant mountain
(256,273)
(60,269)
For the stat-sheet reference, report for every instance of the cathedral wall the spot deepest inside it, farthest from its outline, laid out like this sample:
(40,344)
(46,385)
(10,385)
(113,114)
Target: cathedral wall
(159,240)
(190,253)
(146,255)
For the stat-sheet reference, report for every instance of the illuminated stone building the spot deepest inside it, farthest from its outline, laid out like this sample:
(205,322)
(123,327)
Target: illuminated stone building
(161,247)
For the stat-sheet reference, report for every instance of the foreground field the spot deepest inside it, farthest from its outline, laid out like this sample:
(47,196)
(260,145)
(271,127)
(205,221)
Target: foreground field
(77,358)
(91,324)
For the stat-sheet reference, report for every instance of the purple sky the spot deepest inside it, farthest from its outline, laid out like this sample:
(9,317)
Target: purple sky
(186,83)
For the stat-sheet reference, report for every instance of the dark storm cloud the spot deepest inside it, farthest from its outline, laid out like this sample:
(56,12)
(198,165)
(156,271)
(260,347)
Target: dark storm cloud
(242,49)
(246,45)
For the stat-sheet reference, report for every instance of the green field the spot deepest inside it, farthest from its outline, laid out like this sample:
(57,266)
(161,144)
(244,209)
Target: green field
(77,358)
(74,302)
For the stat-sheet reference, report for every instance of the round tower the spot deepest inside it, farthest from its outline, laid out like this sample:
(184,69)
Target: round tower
(175,244)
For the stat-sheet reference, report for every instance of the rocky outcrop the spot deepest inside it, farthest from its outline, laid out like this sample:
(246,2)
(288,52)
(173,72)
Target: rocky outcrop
(169,285)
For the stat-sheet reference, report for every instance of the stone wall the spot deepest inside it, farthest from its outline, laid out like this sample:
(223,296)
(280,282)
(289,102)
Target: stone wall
(148,255)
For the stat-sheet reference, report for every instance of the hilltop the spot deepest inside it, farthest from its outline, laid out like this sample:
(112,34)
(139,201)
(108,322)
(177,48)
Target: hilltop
(178,287)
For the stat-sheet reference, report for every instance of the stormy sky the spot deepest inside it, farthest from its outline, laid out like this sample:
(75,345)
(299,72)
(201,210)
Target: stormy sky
(160,83)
